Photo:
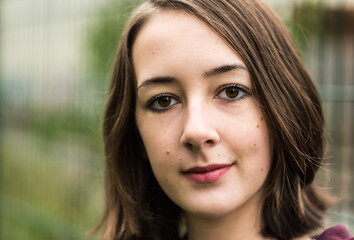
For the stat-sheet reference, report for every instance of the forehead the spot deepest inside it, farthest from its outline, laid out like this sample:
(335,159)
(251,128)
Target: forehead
(167,29)
(179,37)
(174,21)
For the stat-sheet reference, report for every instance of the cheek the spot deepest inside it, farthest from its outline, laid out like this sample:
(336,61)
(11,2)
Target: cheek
(255,153)
(252,148)
(163,162)
(158,143)
(161,146)
(159,134)
(260,149)
(260,138)
(250,136)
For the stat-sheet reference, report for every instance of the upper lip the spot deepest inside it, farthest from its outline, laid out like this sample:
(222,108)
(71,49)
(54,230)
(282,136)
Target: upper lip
(207,168)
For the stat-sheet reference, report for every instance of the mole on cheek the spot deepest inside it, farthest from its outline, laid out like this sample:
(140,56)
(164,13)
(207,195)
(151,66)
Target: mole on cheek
(167,153)
(257,125)
(254,145)
(153,53)
(261,118)
(261,169)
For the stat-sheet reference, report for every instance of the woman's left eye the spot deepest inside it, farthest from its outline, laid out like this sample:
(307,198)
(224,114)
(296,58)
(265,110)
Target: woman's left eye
(232,93)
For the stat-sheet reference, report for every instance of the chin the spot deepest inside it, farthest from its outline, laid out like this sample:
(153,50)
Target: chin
(210,209)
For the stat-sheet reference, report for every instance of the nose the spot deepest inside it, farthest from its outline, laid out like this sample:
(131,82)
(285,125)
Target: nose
(199,129)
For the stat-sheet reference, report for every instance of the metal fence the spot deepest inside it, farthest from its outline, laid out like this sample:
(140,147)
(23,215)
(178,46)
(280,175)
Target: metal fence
(330,58)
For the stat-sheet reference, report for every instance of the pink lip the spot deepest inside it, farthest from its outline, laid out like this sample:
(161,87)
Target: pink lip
(207,174)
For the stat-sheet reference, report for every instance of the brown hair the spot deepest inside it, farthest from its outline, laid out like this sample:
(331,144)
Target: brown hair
(137,208)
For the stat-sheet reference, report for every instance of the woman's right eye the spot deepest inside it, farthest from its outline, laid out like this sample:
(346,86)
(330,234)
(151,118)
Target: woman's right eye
(161,103)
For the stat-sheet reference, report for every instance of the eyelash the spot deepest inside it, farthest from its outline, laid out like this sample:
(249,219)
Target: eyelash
(244,93)
(239,88)
(154,99)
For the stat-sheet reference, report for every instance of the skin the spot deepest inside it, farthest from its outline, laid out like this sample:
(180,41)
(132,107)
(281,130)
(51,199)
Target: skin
(201,121)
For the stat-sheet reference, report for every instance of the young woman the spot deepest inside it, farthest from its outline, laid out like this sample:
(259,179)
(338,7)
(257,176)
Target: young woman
(213,128)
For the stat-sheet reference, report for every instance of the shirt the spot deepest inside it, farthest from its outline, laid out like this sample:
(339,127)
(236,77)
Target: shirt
(338,232)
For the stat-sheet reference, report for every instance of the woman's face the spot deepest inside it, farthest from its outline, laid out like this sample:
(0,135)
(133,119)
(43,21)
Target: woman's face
(203,132)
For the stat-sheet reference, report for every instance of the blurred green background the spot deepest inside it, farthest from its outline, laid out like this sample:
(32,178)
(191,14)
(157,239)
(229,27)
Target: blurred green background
(55,62)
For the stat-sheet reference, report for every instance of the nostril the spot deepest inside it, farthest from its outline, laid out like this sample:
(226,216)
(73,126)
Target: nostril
(192,146)
(188,145)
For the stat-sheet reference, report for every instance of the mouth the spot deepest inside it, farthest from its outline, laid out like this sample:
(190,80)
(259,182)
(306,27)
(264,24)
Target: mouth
(207,174)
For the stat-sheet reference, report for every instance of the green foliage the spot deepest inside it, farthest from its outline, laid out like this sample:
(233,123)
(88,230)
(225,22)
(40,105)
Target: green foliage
(307,22)
(104,35)
(52,157)
(51,189)
(51,126)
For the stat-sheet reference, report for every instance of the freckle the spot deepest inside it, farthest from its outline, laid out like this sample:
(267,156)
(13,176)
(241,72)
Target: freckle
(180,159)
(257,125)
(254,145)
(153,53)
(164,131)
(218,155)
(166,180)
(161,121)
(261,118)
(261,169)
(167,153)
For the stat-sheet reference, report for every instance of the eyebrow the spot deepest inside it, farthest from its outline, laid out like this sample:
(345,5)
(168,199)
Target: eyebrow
(207,74)
(224,69)
(156,80)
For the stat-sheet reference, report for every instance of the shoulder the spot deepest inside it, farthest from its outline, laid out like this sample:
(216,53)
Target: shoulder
(338,232)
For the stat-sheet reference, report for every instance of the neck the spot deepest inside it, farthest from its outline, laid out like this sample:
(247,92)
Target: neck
(243,223)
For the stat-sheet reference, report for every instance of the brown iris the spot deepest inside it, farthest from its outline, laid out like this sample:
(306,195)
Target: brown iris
(164,101)
(232,92)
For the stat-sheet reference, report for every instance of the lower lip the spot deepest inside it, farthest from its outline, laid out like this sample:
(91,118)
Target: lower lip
(207,177)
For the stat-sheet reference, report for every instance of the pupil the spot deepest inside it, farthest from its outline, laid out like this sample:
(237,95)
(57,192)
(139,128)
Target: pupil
(232,92)
(164,101)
